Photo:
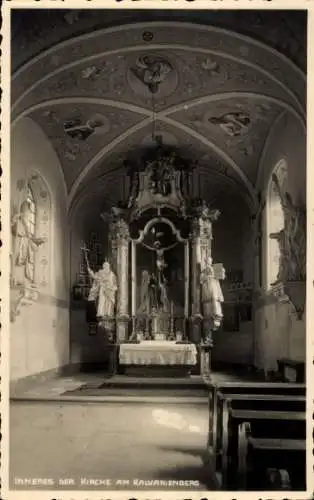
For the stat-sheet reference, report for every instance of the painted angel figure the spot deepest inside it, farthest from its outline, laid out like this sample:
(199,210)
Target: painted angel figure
(103,290)
(79,130)
(233,124)
(152,71)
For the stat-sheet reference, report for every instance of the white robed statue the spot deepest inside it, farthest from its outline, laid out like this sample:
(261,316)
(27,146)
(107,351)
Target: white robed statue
(103,290)
(212,296)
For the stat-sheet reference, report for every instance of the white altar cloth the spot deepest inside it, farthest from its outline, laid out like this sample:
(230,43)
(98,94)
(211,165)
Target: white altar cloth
(154,352)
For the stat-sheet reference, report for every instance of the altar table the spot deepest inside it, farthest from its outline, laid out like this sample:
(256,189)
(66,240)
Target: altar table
(153,352)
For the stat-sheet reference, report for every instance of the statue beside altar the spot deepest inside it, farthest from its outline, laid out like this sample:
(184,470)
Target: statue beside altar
(212,296)
(103,289)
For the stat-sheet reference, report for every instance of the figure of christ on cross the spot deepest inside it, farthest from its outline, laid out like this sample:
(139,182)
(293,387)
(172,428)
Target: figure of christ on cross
(158,284)
(154,297)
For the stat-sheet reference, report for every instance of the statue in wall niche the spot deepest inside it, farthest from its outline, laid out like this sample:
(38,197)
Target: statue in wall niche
(103,290)
(292,239)
(212,296)
(25,245)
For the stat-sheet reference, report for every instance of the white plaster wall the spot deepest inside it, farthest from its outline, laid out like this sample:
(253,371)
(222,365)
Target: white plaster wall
(229,244)
(234,347)
(39,337)
(278,331)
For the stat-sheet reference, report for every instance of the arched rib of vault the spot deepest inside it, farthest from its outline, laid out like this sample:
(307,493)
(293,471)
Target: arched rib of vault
(159,47)
(233,95)
(219,152)
(146,25)
(118,140)
(165,112)
(162,115)
(269,138)
(102,153)
(83,100)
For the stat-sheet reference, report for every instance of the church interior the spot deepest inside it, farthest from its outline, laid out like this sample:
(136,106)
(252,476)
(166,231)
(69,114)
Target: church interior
(158,249)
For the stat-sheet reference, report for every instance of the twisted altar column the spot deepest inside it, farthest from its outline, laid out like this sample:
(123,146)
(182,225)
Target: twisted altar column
(196,318)
(122,252)
(201,241)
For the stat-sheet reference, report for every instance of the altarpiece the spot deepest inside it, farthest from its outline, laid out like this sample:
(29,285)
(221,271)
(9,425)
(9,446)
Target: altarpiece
(167,286)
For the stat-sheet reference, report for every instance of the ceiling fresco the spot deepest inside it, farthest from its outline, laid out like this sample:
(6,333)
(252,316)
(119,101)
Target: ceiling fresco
(79,130)
(103,91)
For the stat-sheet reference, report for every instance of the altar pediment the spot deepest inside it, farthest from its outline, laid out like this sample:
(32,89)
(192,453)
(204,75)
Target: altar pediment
(161,183)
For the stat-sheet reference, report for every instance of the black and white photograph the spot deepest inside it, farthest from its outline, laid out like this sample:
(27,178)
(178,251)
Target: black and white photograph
(157,211)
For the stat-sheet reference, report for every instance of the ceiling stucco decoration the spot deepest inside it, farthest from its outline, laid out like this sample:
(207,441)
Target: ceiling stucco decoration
(212,94)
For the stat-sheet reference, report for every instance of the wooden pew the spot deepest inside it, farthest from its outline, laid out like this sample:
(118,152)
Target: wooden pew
(255,388)
(270,464)
(264,424)
(270,402)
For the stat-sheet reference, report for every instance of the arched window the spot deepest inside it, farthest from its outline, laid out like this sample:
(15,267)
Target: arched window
(275,222)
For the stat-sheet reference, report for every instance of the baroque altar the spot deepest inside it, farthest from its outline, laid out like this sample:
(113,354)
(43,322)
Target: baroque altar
(167,286)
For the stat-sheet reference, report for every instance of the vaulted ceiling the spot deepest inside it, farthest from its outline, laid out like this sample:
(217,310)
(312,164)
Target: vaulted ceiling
(97,83)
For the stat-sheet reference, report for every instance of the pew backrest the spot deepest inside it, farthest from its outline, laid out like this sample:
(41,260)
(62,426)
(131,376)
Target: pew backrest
(255,388)
(266,453)
(263,401)
(266,420)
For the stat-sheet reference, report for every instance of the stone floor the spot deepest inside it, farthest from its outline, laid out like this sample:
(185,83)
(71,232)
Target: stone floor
(114,439)
(108,442)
